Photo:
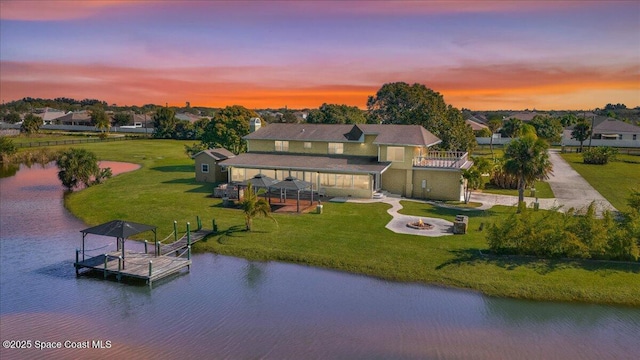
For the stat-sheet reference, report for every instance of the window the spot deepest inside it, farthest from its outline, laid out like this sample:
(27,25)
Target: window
(205,168)
(395,153)
(634,136)
(335,148)
(307,145)
(282,145)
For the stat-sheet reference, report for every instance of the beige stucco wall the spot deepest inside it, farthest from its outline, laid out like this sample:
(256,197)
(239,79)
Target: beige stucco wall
(442,184)
(215,173)
(367,148)
(409,153)
(394,181)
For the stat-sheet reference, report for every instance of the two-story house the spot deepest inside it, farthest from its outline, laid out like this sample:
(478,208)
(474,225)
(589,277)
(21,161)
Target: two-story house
(353,160)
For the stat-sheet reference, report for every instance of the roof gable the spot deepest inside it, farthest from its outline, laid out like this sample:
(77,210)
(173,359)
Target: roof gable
(217,154)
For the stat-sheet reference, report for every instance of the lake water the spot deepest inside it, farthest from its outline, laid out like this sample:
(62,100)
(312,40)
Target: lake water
(232,308)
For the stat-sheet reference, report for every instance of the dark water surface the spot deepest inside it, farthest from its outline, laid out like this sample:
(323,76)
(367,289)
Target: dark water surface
(232,308)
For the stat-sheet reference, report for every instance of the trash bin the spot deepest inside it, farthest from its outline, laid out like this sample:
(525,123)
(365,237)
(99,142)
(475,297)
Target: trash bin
(319,209)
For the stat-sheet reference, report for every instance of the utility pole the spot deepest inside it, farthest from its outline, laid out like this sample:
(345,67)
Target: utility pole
(591,130)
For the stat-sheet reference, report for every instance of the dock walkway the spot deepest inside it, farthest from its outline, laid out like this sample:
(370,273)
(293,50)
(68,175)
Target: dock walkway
(147,266)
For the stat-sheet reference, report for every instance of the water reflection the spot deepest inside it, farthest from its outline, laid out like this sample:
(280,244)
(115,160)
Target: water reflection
(234,308)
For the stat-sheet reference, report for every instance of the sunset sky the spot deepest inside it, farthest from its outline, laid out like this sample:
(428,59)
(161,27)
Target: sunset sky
(481,55)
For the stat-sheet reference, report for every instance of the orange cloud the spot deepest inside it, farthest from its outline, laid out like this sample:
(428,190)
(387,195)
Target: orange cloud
(474,87)
(56,10)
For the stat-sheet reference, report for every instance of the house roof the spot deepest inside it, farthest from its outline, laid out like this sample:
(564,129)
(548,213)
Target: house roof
(217,153)
(476,126)
(610,125)
(411,135)
(80,116)
(322,163)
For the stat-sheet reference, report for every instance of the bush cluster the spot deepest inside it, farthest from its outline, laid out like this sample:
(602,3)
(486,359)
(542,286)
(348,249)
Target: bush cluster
(575,234)
(599,155)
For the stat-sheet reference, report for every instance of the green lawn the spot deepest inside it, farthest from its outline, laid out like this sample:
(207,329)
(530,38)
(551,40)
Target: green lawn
(543,190)
(614,180)
(347,236)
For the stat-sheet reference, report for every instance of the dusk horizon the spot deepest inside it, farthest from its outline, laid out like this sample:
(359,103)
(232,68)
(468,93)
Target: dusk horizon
(479,55)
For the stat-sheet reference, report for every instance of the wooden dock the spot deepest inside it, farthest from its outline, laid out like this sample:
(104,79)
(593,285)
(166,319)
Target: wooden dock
(135,265)
(184,242)
(148,266)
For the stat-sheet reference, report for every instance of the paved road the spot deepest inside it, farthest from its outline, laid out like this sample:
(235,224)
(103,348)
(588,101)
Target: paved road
(571,189)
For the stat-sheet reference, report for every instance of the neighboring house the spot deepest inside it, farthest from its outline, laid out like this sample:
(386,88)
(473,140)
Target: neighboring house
(75,118)
(353,160)
(478,128)
(525,116)
(611,129)
(188,117)
(207,165)
(49,116)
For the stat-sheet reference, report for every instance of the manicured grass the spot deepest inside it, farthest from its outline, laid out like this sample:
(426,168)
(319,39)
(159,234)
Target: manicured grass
(614,180)
(543,190)
(347,236)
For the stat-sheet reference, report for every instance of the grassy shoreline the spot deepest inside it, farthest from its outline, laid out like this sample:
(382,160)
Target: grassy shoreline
(346,237)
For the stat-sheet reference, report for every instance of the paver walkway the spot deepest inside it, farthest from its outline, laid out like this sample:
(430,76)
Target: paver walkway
(398,223)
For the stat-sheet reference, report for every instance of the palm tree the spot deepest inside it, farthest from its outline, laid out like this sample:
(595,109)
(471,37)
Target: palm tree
(253,206)
(493,125)
(527,159)
(581,132)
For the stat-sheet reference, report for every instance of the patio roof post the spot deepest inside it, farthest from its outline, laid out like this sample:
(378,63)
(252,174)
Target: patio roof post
(298,201)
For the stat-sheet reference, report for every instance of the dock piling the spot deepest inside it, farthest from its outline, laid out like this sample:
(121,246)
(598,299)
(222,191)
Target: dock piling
(106,259)
(150,267)
(188,234)
(175,230)
(145,246)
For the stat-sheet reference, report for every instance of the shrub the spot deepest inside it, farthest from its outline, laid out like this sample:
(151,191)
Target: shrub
(599,155)
(576,234)
(7,147)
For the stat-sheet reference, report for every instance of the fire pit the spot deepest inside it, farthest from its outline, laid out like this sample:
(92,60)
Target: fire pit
(420,225)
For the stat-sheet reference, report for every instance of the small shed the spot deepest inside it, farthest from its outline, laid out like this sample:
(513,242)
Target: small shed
(207,165)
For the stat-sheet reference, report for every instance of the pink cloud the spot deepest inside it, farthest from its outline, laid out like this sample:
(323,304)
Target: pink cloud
(476,87)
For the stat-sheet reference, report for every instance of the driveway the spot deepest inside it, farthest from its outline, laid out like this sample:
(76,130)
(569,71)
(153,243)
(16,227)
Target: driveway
(571,189)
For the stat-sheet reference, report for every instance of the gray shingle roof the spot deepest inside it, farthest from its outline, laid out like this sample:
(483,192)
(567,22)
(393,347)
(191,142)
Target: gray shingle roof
(411,135)
(338,164)
(217,153)
(609,125)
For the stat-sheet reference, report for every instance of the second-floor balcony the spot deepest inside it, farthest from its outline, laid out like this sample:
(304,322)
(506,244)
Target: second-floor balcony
(443,159)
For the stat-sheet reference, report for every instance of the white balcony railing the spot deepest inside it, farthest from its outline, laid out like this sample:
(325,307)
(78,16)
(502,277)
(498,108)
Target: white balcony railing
(442,159)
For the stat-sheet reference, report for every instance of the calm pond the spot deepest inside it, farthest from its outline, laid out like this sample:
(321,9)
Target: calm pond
(232,308)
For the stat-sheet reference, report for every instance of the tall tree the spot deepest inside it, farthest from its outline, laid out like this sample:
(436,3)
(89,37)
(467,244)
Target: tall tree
(100,119)
(581,132)
(227,128)
(11,118)
(122,118)
(253,206)
(527,159)
(401,103)
(568,119)
(336,114)
(547,128)
(512,127)
(31,124)
(164,122)
(494,125)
